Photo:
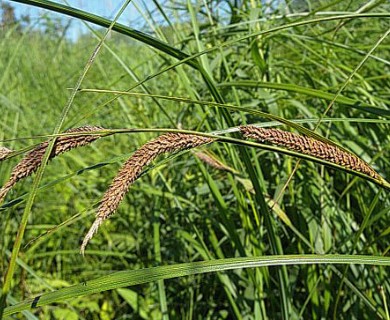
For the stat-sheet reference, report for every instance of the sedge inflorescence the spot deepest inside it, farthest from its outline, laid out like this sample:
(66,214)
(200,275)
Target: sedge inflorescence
(309,146)
(132,169)
(170,143)
(31,162)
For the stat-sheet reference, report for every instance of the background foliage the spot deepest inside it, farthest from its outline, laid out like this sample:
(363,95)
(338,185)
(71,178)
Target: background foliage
(183,210)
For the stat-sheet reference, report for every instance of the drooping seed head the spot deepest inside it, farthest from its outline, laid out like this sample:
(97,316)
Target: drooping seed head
(132,169)
(31,162)
(310,146)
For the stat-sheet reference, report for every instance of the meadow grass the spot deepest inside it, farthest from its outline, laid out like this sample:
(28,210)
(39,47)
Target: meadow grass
(267,238)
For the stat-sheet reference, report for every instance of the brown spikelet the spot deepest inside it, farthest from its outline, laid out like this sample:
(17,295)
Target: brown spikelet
(132,169)
(31,162)
(213,162)
(310,146)
(4,152)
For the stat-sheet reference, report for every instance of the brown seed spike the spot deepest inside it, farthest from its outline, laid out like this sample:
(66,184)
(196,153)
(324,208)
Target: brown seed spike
(132,169)
(31,162)
(310,146)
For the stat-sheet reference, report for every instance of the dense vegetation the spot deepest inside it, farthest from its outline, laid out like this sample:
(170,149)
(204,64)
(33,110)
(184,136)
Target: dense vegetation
(261,57)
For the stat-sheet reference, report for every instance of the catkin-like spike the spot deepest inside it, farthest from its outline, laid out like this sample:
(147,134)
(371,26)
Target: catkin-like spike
(132,169)
(31,162)
(4,152)
(310,146)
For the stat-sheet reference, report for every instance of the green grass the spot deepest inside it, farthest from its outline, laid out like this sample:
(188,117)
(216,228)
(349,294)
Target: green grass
(167,252)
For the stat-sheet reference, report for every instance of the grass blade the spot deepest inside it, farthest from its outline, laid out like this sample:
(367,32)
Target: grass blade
(135,277)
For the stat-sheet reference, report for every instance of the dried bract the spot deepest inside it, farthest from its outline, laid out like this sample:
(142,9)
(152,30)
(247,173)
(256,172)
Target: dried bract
(213,162)
(4,152)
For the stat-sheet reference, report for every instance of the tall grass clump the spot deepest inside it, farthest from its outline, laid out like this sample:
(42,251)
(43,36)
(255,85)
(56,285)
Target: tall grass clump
(221,213)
